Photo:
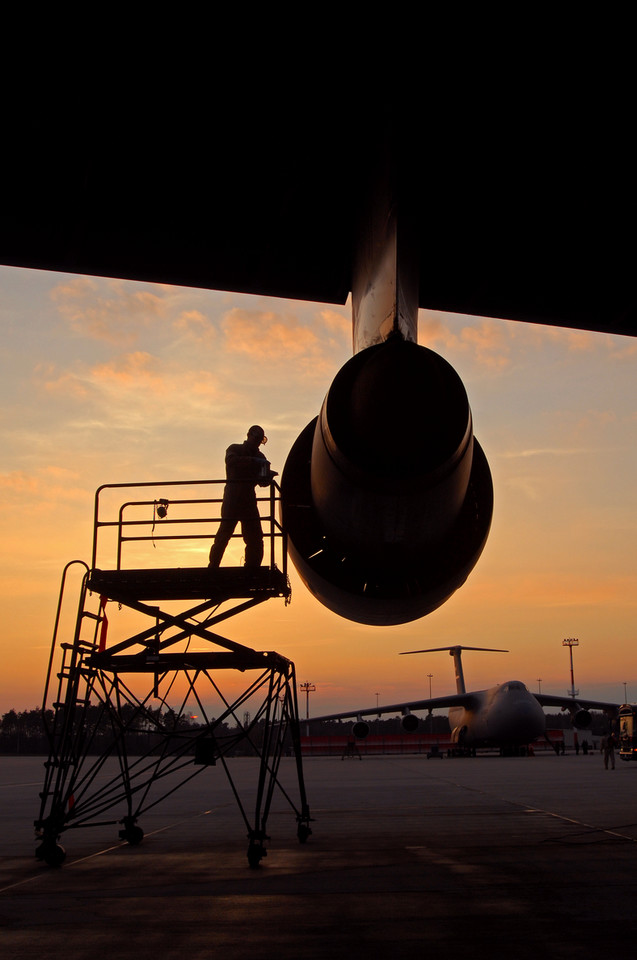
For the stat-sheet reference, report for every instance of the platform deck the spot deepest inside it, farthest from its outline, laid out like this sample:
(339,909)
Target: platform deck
(190,583)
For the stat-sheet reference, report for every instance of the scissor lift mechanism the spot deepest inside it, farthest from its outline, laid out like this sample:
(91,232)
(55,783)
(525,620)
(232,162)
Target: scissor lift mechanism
(113,754)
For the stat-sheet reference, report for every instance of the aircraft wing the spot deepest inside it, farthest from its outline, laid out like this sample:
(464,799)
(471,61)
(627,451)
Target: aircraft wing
(548,700)
(467,700)
(273,208)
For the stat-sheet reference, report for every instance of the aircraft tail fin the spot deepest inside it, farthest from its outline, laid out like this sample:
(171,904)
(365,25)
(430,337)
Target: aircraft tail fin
(456,653)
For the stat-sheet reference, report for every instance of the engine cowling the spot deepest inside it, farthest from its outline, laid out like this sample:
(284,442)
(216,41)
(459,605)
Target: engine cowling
(360,730)
(581,719)
(409,723)
(387,496)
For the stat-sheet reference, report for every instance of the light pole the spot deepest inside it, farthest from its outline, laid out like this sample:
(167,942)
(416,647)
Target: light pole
(571,642)
(430,675)
(539,684)
(308,688)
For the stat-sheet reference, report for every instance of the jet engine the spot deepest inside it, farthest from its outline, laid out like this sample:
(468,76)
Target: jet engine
(581,719)
(387,496)
(409,722)
(360,729)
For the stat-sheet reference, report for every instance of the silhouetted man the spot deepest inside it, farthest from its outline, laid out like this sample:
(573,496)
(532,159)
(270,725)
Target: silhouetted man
(246,467)
(608,749)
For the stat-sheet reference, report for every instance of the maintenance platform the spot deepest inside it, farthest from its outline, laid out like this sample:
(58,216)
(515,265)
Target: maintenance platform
(143,686)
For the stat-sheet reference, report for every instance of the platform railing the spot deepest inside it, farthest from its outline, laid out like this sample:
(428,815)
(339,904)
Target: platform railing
(131,525)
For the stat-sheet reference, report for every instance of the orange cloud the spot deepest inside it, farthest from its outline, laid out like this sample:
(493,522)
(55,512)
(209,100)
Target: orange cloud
(266,334)
(132,370)
(52,484)
(337,323)
(575,341)
(109,310)
(196,326)
(490,341)
(68,385)
(489,344)
(622,348)
(140,387)
(278,338)
(487,341)
(18,482)
(142,379)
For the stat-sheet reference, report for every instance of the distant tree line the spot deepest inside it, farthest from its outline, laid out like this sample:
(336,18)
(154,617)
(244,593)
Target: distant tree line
(24,733)
(435,725)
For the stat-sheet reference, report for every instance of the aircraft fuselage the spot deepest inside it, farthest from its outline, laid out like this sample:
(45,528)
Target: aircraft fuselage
(504,715)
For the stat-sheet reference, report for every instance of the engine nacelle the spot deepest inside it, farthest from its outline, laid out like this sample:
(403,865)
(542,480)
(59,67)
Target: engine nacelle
(360,729)
(386,496)
(409,723)
(581,719)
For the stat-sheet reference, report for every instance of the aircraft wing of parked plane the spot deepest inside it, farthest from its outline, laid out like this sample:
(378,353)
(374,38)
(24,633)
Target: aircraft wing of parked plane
(507,714)
(468,700)
(566,702)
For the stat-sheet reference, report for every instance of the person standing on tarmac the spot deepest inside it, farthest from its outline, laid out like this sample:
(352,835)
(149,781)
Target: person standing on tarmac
(246,467)
(608,749)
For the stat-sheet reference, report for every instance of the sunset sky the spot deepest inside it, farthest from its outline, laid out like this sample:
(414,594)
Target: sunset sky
(106,381)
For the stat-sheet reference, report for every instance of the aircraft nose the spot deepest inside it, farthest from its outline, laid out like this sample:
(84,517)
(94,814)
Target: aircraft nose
(518,722)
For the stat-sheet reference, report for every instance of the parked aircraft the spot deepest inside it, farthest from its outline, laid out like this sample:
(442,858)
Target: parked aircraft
(507,715)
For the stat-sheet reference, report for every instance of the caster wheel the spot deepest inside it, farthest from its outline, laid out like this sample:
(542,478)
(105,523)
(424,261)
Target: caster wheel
(133,835)
(130,832)
(256,853)
(53,854)
(303,832)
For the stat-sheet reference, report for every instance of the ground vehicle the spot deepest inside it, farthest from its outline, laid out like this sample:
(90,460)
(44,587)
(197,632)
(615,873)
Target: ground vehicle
(628,731)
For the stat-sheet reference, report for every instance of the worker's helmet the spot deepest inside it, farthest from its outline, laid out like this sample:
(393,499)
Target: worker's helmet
(257,433)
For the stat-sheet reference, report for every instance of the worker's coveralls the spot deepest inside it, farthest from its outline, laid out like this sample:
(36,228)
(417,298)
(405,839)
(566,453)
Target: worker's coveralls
(245,467)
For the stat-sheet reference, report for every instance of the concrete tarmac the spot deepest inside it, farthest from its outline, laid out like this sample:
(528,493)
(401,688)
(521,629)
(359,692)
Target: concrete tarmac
(490,857)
